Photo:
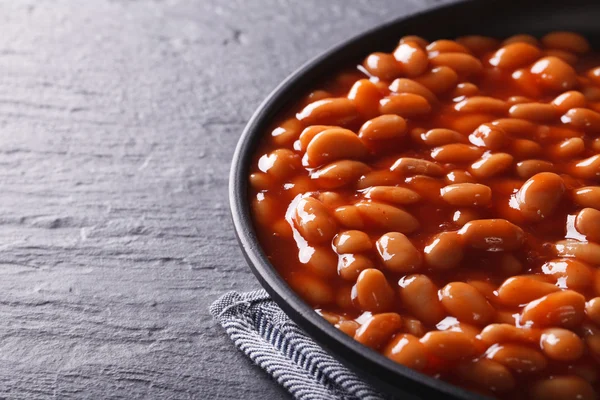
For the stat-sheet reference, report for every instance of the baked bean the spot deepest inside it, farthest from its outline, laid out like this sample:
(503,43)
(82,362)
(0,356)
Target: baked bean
(393,194)
(331,199)
(308,134)
(343,297)
(587,252)
(365,96)
(505,333)
(288,131)
(349,217)
(569,273)
(515,126)
(515,55)
(486,374)
(592,339)
(510,265)
(539,197)
(339,173)
(463,64)
(407,350)
(466,123)
(397,253)
(330,317)
(592,310)
(466,303)
(387,217)
(489,136)
(519,290)
(467,194)
(412,57)
(456,153)
(420,297)
(562,388)
(334,144)
(413,326)
(522,38)
(594,75)
(377,178)
(416,135)
(524,148)
(483,104)
(485,288)
(564,309)
(465,89)
(561,344)
(415,166)
(299,185)
(588,224)
(372,292)
(280,163)
(568,148)
(403,85)
(519,358)
(492,235)
(260,181)
(537,112)
(506,317)
(383,65)
(378,330)
(440,136)
(264,208)
(554,74)
(569,100)
(567,57)
(588,168)
(282,229)
(320,260)
(405,104)
(448,345)
(384,127)
(419,41)
(591,93)
(444,251)
(348,327)
(446,46)
(315,96)
(313,221)
(567,41)
(478,44)
(313,290)
(459,176)
(528,168)
(512,100)
(439,80)
(582,118)
(337,111)
(461,217)
(352,242)
(595,145)
(491,165)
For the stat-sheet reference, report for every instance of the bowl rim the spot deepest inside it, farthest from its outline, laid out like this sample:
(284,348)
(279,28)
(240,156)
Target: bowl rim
(378,369)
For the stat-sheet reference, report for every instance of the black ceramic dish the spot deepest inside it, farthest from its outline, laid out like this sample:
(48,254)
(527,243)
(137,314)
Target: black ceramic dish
(499,18)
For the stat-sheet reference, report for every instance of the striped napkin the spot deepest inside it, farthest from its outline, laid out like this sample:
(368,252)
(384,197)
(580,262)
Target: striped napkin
(261,330)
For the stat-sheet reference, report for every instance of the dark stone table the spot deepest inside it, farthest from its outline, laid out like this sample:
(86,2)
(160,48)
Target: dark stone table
(118,120)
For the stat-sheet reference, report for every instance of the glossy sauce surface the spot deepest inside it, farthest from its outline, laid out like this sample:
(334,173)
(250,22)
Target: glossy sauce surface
(441,204)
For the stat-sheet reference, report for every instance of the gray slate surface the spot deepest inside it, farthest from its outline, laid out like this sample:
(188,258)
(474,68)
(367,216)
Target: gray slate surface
(118,120)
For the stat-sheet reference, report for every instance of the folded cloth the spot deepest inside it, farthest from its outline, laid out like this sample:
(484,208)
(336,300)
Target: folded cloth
(260,329)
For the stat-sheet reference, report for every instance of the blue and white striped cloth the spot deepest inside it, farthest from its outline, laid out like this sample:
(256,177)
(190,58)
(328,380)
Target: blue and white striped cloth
(260,329)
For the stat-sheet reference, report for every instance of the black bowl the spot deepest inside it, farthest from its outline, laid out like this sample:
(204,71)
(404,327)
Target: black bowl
(499,18)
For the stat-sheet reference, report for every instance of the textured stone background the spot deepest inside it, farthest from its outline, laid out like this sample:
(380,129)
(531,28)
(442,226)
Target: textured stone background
(118,120)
